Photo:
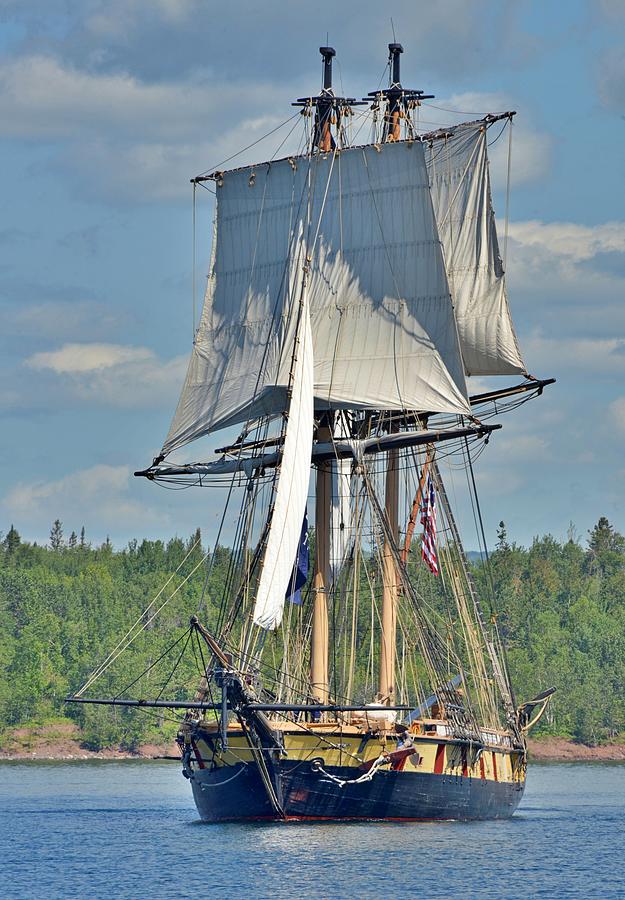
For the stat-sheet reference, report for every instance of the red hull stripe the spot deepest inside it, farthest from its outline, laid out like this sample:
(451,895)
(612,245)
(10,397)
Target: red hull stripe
(439,762)
(198,756)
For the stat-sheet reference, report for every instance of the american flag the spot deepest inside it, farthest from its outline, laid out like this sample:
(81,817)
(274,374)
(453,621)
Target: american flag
(428,520)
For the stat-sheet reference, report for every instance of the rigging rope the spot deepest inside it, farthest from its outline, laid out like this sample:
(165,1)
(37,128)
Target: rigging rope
(130,637)
(505,233)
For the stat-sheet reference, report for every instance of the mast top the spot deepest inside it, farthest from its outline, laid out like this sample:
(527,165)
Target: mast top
(328,107)
(399,101)
(327,53)
(394,50)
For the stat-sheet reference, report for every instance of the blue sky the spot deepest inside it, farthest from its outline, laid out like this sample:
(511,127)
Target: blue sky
(107,109)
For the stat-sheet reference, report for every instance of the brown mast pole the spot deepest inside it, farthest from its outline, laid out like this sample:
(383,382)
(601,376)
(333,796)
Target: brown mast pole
(388,643)
(319,678)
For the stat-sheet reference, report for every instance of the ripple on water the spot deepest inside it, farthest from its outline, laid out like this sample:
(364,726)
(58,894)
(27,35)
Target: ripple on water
(130,830)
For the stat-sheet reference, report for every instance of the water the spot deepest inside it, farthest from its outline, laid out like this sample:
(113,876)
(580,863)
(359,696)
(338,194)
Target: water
(129,830)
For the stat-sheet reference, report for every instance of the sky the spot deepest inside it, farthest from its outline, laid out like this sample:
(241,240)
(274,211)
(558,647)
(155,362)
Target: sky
(109,107)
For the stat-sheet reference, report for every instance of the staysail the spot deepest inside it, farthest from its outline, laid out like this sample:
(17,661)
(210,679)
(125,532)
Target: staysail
(384,335)
(457,163)
(292,487)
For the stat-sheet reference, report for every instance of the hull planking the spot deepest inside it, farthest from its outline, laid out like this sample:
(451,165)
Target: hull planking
(432,779)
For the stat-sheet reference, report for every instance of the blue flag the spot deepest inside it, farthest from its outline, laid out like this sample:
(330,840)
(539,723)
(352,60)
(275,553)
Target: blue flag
(300,569)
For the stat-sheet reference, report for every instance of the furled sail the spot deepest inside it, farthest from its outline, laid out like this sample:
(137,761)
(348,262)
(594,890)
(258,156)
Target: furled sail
(460,185)
(342,525)
(292,487)
(343,506)
(382,320)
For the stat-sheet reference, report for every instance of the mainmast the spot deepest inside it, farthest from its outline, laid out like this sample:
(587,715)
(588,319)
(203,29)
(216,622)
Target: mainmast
(388,637)
(399,102)
(329,109)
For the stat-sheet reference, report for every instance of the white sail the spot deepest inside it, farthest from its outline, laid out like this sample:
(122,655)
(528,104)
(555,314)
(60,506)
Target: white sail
(460,185)
(383,328)
(292,489)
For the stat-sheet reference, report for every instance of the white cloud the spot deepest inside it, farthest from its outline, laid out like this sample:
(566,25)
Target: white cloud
(159,38)
(114,19)
(531,148)
(99,497)
(145,171)
(123,137)
(41,98)
(57,319)
(604,356)
(571,242)
(88,357)
(570,277)
(133,132)
(113,374)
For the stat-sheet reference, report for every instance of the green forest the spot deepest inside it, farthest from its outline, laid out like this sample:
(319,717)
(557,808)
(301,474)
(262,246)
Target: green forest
(65,606)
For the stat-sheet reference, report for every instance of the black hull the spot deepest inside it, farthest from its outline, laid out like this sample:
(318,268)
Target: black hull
(236,793)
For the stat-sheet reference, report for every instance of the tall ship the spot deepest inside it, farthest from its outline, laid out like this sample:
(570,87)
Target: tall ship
(352,668)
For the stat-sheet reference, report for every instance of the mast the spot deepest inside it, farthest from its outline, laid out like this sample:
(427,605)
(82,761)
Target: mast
(319,648)
(399,101)
(329,109)
(398,104)
(388,637)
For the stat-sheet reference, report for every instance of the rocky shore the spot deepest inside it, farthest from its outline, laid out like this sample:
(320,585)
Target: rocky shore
(554,749)
(62,741)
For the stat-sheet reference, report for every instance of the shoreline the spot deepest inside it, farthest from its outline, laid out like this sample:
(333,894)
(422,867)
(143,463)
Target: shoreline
(555,749)
(60,743)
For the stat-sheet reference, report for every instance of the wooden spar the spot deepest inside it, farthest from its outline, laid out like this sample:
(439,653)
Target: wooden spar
(319,648)
(254,707)
(416,505)
(337,449)
(535,385)
(388,637)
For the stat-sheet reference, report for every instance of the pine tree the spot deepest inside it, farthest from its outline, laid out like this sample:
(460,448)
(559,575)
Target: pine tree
(604,537)
(83,544)
(56,535)
(73,541)
(12,540)
(502,538)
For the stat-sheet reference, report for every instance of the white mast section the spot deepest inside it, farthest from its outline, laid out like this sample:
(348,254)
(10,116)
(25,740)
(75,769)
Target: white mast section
(383,327)
(292,489)
(460,185)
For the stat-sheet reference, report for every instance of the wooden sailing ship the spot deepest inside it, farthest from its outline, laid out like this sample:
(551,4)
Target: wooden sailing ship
(352,289)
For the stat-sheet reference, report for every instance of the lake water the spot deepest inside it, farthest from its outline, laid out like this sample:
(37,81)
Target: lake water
(130,830)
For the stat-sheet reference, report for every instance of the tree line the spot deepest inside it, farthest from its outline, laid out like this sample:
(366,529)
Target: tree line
(64,607)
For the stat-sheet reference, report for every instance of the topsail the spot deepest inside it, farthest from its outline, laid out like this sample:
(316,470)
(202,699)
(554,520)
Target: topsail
(458,167)
(384,335)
